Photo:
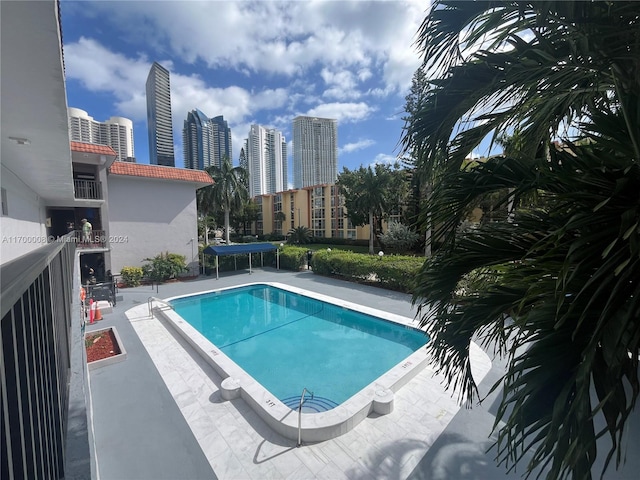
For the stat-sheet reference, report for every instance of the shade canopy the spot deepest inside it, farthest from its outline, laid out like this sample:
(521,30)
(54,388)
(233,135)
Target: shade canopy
(222,250)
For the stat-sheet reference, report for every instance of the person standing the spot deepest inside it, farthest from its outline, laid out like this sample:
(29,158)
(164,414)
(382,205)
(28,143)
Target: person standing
(86,230)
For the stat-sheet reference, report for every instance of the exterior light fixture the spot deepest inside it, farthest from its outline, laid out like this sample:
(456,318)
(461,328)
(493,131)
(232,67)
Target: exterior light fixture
(20,140)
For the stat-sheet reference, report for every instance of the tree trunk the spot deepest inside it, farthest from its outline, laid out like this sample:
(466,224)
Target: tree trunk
(226,225)
(371,226)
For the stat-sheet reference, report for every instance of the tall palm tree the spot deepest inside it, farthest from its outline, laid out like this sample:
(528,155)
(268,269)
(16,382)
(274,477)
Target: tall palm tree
(279,217)
(556,287)
(370,193)
(229,189)
(206,208)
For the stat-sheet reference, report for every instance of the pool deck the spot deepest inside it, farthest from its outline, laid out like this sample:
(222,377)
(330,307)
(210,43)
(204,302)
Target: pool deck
(159,414)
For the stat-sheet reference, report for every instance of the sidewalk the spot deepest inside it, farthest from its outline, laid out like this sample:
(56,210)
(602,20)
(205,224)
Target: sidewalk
(158,415)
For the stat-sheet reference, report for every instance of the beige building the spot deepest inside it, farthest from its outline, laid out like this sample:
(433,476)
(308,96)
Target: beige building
(319,208)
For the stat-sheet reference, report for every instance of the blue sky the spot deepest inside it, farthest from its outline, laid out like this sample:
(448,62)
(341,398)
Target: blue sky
(253,62)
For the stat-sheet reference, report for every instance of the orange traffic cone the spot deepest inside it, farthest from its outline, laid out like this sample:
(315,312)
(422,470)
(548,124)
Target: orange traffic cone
(91,310)
(98,315)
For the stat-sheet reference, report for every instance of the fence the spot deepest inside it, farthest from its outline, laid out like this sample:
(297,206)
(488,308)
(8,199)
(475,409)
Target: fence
(41,337)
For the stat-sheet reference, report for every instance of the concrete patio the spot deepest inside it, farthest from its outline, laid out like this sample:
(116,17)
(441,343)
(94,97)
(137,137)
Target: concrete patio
(159,415)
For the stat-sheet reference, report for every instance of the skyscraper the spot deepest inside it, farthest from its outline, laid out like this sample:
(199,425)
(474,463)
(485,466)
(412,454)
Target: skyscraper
(267,161)
(197,141)
(222,140)
(205,141)
(117,132)
(315,151)
(159,116)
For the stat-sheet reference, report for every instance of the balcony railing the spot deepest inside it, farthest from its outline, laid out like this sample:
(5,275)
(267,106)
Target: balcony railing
(43,368)
(88,189)
(95,239)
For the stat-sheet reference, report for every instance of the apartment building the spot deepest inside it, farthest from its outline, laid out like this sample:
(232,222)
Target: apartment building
(319,208)
(117,132)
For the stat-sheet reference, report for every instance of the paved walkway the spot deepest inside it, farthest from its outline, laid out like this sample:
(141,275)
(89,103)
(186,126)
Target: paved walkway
(159,414)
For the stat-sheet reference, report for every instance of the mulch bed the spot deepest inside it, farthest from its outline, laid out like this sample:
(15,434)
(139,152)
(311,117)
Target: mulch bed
(101,345)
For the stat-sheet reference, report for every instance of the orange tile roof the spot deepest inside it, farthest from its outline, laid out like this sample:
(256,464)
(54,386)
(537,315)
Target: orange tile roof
(160,172)
(92,148)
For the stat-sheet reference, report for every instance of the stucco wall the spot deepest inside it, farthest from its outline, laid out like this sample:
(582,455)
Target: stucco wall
(23,229)
(149,216)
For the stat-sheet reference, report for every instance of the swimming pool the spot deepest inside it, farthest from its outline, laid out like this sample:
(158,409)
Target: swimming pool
(269,341)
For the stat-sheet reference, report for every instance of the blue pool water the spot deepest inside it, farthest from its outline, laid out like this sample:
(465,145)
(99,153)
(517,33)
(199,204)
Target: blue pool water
(288,342)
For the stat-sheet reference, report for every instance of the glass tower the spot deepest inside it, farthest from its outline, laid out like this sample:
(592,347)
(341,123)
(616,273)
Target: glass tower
(159,117)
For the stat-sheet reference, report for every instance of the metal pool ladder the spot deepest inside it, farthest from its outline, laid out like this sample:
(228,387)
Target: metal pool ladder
(158,300)
(302,400)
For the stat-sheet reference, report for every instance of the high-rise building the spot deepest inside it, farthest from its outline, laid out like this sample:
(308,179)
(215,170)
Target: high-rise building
(205,140)
(222,140)
(159,117)
(197,141)
(315,151)
(117,132)
(267,161)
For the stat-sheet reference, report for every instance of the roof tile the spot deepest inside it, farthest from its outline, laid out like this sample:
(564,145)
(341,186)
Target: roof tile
(92,148)
(160,172)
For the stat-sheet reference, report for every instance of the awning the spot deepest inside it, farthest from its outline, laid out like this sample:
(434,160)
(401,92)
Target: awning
(238,249)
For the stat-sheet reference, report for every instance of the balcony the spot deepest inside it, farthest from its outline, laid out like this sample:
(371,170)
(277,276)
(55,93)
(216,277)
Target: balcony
(87,189)
(96,239)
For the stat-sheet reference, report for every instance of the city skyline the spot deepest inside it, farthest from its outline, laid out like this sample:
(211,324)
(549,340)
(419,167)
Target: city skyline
(352,61)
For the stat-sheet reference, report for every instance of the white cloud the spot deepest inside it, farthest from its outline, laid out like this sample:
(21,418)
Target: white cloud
(383,158)
(103,71)
(278,38)
(359,145)
(343,112)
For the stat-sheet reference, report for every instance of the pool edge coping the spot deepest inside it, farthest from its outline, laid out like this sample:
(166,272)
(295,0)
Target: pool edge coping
(316,427)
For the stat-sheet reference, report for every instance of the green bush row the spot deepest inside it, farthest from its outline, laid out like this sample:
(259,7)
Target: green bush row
(292,257)
(395,272)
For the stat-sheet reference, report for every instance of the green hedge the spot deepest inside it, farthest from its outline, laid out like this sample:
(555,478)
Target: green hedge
(395,272)
(341,241)
(292,257)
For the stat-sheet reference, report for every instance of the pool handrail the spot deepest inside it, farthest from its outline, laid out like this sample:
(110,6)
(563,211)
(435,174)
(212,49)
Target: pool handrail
(302,400)
(150,301)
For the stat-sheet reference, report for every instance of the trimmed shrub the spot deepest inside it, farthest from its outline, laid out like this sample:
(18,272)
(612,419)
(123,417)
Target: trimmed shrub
(292,257)
(395,272)
(131,276)
(164,266)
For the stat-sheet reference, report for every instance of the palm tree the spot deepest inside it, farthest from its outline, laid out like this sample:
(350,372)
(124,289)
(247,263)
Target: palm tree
(557,287)
(279,217)
(206,208)
(370,193)
(229,189)
(299,235)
